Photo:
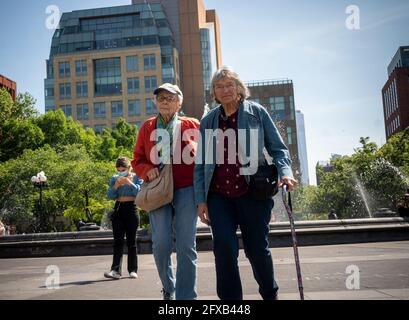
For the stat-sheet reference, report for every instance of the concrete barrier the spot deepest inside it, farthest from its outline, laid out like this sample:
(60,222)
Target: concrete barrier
(308,232)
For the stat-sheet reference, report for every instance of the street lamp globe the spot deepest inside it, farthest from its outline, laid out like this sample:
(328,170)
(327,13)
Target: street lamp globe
(40,181)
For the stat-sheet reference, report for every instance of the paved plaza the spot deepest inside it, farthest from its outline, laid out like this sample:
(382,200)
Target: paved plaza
(383,274)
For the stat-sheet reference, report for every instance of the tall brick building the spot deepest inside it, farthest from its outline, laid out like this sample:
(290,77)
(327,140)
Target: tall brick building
(104,63)
(9,85)
(395,93)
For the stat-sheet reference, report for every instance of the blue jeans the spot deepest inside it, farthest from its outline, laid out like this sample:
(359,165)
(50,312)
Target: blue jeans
(253,217)
(179,217)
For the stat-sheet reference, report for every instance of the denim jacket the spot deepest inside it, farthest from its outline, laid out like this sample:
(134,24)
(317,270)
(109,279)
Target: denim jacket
(124,190)
(260,134)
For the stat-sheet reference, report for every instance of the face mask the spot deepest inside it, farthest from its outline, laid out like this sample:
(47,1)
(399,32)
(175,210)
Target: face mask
(122,174)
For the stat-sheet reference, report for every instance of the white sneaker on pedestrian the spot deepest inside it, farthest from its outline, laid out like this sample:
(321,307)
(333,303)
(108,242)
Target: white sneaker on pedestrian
(112,275)
(133,275)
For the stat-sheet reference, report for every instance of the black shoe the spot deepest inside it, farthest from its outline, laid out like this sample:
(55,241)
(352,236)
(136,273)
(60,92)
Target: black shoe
(167,295)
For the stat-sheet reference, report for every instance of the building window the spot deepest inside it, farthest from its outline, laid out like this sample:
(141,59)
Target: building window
(292,108)
(149,40)
(149,62)
(99,110)
(134,108)
(291,98)
(49,92)
(110,23)
(150,83)
(82,112)
(108,80)
(49,108)
(50,70)
(167,61)
(81,68)
(289,136)
(82,89)
(277,105)
(99,128)
(64,70)
(67,109)
(132,63)
(133,85)
(137,124)
(65,90)
(116,108)
(150,107)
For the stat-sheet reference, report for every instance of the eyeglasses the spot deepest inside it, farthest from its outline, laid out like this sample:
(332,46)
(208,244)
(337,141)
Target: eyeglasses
(229,86)
(166,98)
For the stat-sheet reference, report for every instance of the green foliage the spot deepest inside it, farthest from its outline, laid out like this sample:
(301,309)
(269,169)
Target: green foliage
(70,174)
(396,150)
(6,106)
(377,176)
(124,134)
(29,137)
(78,164)
(24,107)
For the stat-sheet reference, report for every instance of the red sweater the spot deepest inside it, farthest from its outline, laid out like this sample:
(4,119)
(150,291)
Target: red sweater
(141,163)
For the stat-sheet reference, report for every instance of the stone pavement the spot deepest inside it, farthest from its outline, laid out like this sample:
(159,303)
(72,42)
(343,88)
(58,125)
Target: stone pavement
(383,274)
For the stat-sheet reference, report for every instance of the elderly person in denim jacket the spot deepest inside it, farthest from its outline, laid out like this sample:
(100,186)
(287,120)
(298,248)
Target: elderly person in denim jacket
(221,183)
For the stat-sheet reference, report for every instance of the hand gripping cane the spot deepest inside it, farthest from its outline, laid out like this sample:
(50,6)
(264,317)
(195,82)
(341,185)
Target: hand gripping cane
(288,207)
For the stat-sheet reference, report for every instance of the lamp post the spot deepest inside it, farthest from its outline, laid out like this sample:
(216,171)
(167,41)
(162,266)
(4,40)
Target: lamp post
(40,181)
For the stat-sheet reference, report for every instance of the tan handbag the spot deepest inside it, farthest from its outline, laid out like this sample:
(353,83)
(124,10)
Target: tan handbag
(157,193)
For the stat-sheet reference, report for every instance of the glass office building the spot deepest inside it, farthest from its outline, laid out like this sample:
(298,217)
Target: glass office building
(104,63)
(209,59)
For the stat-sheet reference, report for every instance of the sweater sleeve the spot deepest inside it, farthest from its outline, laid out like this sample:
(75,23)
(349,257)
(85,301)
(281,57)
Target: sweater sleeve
(112,194)
(135,186)
(141,163)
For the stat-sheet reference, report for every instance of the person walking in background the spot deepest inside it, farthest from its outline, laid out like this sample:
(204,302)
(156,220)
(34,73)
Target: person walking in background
(332,215)
(123,188)
(222,192)
(177,219)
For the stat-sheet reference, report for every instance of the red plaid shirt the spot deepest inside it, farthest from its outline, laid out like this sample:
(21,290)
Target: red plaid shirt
(226,178)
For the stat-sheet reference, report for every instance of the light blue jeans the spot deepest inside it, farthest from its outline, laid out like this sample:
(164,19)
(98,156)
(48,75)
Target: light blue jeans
(177,219)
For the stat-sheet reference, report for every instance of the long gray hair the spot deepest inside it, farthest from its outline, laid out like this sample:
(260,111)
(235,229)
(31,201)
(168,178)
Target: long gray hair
(226,72)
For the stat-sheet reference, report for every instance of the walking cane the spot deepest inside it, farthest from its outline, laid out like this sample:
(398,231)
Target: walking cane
(288,207)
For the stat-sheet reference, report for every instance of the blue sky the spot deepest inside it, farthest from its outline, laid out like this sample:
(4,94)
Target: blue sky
(338,73)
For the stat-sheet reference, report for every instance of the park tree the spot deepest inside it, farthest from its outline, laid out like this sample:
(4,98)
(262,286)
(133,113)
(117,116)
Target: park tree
(17,129)
(125,135)
(308,204)
(6,106)
(25,107)
(77,162)
(369,179)
(17,136)
(71,174)
(21,109)
(396,150)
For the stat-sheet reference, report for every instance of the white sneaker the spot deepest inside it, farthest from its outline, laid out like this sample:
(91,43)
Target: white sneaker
(112,275)
(133,275)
